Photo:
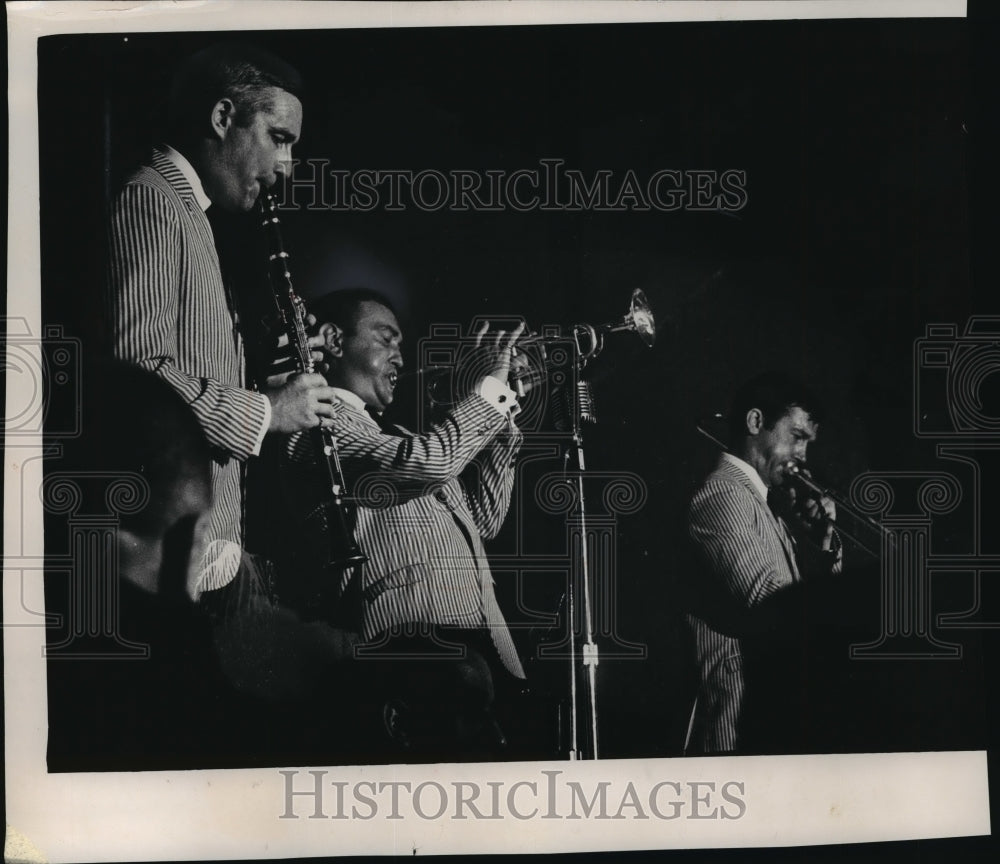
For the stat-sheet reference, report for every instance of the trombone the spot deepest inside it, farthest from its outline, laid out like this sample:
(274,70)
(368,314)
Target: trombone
(801,475)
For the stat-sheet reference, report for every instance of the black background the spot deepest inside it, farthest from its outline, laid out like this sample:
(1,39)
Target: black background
(867,148)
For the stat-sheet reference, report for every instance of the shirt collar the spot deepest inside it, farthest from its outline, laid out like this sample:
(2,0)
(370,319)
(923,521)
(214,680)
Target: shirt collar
(187,169)
(750,471)
(355,401)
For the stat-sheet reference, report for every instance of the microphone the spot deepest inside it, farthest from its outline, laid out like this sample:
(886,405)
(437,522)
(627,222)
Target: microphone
(569,400)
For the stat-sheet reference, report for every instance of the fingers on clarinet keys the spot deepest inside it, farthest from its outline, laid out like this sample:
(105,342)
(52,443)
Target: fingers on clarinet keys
(296,404)
(320,361)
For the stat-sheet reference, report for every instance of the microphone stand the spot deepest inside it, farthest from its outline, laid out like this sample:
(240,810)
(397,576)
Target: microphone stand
(638,320)
(589,652)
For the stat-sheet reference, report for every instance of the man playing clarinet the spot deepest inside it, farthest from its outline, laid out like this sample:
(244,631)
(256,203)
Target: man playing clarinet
(234,116)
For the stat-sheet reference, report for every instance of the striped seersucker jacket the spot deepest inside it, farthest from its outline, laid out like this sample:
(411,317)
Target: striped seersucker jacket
(744,554)
(425,504)
(169,314)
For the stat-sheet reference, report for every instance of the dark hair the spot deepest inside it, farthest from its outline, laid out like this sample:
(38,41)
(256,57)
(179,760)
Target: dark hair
(773,393)
(133,421)
(238,71)
(342,307)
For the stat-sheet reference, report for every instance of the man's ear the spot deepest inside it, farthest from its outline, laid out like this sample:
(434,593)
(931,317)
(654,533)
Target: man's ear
(223,116)
(396,717)
(754,421)
(334,343)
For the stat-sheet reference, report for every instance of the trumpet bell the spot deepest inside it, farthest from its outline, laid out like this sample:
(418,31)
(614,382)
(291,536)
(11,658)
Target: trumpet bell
(640,317)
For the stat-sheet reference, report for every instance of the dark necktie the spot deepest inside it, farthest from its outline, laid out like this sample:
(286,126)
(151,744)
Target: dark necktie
(778,504)
(214,218)
(387,428)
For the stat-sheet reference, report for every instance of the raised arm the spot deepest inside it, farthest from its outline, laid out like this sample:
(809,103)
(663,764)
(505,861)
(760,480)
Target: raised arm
(402,466)
(488,482)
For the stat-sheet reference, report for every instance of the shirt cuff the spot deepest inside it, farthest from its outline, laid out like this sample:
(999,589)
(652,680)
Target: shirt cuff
(834,556)
(499,395)
(836,546)
(264,428)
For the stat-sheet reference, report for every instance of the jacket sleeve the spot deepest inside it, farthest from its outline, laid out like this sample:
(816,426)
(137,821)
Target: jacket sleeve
(488,482)
(146,259)
(814,562)
(728,532)
(381,470)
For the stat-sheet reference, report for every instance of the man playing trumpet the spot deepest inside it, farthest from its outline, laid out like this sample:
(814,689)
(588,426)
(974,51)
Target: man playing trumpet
(424,599)
(754,536)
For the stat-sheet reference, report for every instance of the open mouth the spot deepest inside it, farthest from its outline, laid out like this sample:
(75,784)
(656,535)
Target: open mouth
(393,377)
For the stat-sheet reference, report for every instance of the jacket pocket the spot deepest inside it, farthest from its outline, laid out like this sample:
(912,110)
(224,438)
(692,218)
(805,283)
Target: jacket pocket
(733,665)
(408,575)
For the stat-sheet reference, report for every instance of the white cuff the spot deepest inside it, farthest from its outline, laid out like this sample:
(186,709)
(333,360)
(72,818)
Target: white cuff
(499,395)
(264,428)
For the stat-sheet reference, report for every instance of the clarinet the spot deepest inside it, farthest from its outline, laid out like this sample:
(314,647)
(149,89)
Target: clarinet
(344,550)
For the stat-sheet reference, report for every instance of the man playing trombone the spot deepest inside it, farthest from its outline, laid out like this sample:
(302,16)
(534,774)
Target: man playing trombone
(755,534)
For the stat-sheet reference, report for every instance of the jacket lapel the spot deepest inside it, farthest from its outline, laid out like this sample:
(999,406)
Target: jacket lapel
(781,533)
(179,183)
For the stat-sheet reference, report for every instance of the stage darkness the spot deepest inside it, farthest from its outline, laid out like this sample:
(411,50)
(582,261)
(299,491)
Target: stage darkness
(854,236)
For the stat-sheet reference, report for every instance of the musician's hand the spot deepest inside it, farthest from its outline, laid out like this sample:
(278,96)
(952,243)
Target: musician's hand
(300,401)
(318,340)
(521,373)
(320,336)
(817,515)
(496,349)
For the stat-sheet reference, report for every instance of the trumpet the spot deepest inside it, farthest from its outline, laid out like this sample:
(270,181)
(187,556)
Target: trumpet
(587,341)
(639,320)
